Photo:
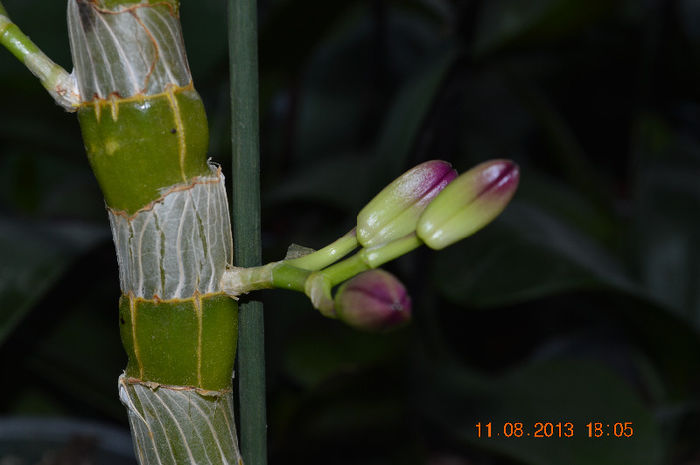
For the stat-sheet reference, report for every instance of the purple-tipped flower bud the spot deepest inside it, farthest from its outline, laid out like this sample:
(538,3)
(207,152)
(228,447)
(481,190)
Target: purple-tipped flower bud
(469,203)
(394,212)
(373,301)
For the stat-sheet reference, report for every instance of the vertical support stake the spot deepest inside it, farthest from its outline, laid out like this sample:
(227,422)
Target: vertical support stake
(243,61)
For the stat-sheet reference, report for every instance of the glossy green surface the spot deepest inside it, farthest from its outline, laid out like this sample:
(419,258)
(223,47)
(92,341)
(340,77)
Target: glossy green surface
(182,342)
(16,42)
(140,146)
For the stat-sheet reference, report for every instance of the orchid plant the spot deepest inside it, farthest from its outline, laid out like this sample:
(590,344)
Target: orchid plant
(145,132)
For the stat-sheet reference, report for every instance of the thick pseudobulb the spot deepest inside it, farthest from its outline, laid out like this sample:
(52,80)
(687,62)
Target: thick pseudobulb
(146,136)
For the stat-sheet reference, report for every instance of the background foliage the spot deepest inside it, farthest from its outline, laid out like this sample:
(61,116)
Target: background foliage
(581,303)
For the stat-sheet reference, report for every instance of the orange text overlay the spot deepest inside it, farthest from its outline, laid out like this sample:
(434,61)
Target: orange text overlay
(559,429)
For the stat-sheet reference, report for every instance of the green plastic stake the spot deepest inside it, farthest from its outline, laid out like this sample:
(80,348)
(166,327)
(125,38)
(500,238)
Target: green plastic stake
(243,61)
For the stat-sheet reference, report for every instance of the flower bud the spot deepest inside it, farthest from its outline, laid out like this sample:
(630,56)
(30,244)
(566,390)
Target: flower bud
(373,301)
(394,212)
(469,203)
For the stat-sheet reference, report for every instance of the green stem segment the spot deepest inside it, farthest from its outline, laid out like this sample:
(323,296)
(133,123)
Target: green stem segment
(146,135)
(243,61)
(328,255)
(301,274)
(56,80)
(183,343)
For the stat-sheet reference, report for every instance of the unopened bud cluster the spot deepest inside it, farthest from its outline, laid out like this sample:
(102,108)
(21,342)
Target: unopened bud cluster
(395,211)
(431,201)
(469,203)
(428,204)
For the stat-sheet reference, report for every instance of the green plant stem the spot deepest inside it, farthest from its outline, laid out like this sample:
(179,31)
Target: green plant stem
(288,274)
(243,62)
(327,255)
(346,269)
(53,77)
(375,257)
(319,283)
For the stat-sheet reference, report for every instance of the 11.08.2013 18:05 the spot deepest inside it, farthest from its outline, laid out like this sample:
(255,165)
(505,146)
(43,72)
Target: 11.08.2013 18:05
(554,430)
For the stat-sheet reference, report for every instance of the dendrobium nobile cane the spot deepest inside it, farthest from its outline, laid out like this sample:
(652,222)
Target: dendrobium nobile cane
(145,133)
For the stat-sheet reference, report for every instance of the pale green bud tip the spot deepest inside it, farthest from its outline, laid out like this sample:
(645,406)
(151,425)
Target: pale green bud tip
(394,212)
(373,301)
(469,203)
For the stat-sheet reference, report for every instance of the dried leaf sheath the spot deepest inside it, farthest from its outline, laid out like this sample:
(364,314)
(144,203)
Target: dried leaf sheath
(146,136)
(128,49)
(177,245)
(162,437)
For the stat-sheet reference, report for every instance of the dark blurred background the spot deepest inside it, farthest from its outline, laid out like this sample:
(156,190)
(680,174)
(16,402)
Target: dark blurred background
(580,304)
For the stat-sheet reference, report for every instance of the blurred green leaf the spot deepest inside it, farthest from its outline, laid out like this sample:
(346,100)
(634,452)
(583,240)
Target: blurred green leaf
(573,208)
(689,17)
(355,417)
(556,391)
(524,255)
(667,224)
(37,440)
(291,20)
(66,366)
(667,339)
(40,185)
(34,255)
(567,152)
(409,109)
(207,52)
(513,23)
(316,355)
(349,80)
(320,183)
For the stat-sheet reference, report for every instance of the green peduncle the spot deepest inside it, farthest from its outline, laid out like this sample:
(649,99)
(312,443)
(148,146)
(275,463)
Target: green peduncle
(56,80)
